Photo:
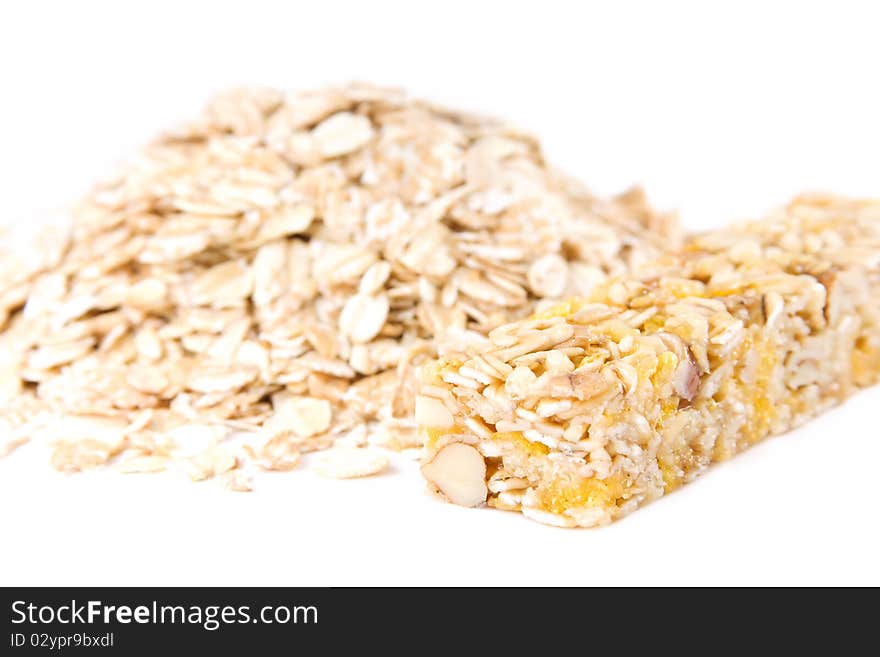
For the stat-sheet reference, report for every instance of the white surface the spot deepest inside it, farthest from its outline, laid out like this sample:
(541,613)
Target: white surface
(722,113)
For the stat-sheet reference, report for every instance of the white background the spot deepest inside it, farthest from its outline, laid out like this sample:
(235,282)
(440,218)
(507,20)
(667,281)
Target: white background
(722,112)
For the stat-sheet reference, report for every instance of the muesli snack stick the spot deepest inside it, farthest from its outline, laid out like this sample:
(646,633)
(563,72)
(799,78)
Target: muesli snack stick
(589,410)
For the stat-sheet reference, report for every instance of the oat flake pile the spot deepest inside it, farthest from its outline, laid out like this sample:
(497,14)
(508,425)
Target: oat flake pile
(264,282)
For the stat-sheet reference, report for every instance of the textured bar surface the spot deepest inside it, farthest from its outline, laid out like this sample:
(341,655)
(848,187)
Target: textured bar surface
(592,408)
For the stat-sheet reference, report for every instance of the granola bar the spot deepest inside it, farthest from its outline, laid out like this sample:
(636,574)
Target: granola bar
(584,412)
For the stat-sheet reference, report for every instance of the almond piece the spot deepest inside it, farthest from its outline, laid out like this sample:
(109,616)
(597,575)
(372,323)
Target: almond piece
(459,473)
(686,379)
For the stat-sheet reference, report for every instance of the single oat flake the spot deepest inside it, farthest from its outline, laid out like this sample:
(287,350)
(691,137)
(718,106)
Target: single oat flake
(351,462)
(275,272)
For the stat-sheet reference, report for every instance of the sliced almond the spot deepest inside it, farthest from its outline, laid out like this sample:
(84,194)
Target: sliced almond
(686,379)
(459,473)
